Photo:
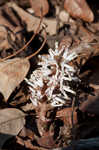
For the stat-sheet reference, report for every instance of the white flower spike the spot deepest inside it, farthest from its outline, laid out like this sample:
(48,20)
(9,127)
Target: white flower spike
(51,79)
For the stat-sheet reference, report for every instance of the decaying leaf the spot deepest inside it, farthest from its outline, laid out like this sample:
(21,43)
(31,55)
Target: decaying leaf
(79,9)
(32,22)
(3,39)
(11,122)
(12,73)
(40,7)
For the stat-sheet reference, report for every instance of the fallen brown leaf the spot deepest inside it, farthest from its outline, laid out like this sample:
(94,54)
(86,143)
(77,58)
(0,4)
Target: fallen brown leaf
(12,73)
(11,122)
(79,9)
(40,7)
(66,115)
(47,141)
(32,22)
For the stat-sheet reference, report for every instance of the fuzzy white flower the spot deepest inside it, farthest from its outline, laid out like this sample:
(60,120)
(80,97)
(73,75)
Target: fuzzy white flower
(51,79)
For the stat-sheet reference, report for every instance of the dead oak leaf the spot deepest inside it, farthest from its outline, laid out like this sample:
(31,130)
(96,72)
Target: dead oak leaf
(12,73)
(11,122)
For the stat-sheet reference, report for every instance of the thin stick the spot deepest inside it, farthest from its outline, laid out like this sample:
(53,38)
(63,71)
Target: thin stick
(28,57)
(20,50)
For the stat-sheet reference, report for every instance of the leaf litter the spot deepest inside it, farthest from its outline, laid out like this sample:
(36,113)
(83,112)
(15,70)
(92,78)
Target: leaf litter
(63,87)
(11,123)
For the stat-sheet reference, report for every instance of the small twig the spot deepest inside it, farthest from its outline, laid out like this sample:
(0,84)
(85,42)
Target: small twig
(20,50)
(32,55)
(72,121)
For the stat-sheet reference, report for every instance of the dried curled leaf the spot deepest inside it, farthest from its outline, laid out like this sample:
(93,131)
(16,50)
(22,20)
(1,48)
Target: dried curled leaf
(11,122)
(79,9)
(12,73)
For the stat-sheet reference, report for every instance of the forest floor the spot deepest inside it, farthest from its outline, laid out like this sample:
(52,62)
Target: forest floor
(31,117)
